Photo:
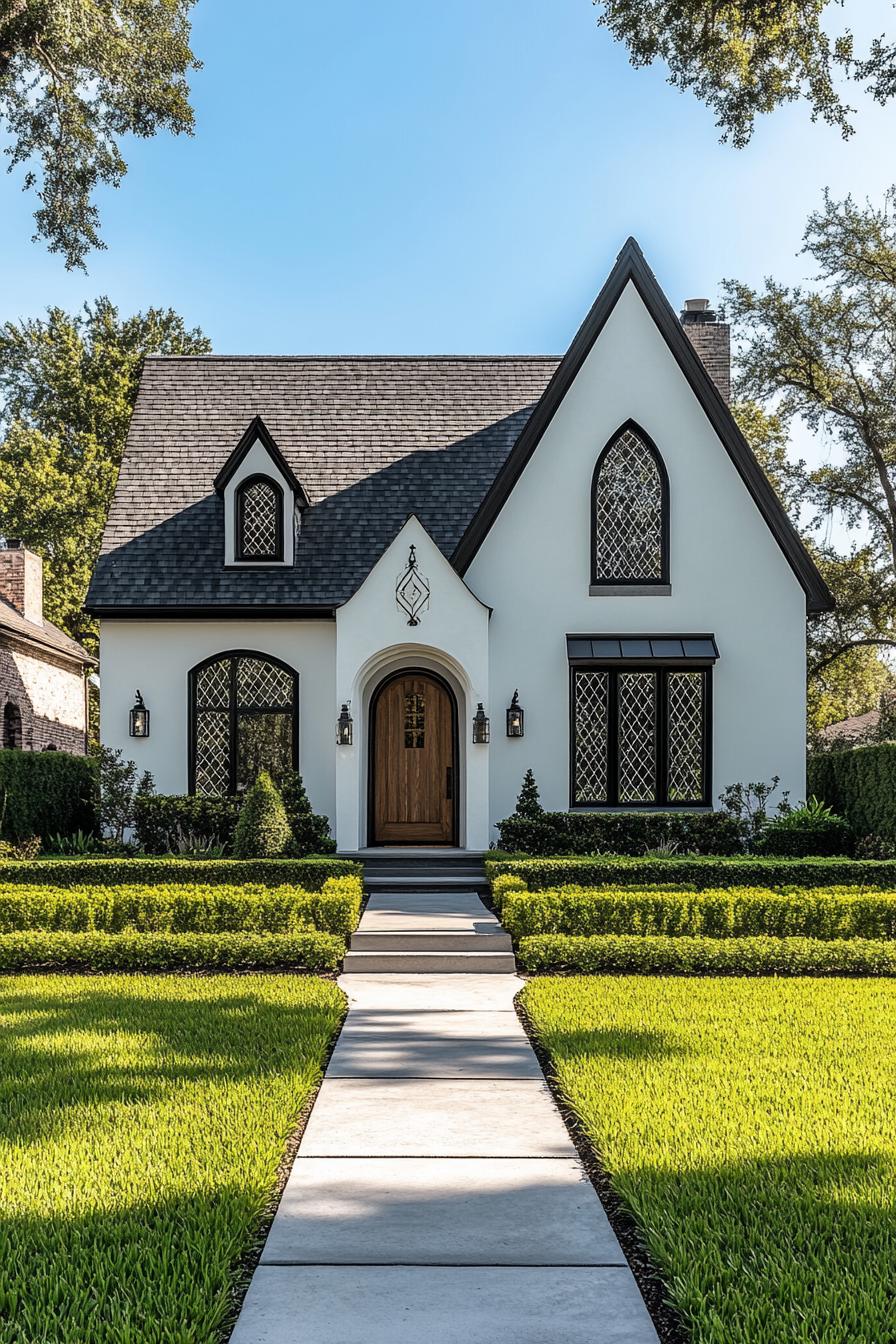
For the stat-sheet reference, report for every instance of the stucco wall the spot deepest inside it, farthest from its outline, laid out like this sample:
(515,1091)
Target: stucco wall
(156,656)
(49,693)
(728,575)
(374,638)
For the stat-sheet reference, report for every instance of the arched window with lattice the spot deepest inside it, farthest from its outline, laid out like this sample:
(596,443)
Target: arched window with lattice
(259,520)
(244,718)
(630,512)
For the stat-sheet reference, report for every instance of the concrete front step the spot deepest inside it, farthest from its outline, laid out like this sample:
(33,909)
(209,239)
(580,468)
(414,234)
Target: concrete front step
(399,882)
(420,940)
(429,963)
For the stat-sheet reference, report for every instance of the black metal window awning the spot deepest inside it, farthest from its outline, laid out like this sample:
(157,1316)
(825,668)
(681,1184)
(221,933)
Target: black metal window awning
(621,649)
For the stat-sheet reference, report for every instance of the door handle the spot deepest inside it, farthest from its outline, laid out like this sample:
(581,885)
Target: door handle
(449,783)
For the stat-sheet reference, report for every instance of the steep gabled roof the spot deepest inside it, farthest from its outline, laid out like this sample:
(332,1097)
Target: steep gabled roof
(257,432)
(371,439)
(631,266)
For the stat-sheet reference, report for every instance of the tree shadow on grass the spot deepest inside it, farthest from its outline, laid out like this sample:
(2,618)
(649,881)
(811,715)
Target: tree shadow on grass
(799,1248)
(238,1036)
(159,1271)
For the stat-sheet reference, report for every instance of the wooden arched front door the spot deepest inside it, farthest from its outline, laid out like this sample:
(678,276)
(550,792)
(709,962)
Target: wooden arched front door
(413,761)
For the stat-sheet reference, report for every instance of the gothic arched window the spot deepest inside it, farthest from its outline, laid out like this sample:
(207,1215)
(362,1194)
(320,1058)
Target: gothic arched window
(244,718)
(259,519)
(630,512)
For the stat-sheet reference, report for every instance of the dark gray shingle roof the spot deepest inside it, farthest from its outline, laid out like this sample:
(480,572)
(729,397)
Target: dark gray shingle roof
(371,439)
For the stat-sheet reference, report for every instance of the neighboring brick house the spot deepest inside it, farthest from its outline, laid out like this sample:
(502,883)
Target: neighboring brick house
(43,691)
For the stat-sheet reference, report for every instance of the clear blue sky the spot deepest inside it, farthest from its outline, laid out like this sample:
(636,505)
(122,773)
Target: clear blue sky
(429,177)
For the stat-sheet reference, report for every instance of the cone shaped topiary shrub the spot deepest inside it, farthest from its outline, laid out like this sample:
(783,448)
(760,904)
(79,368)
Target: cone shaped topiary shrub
(310,832)
(262,831)
(528,804)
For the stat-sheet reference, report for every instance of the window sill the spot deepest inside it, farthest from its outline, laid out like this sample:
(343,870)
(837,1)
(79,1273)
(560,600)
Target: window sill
(630,590)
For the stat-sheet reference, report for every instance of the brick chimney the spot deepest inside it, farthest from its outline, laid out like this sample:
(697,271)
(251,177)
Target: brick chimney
(22,581)
(712,341)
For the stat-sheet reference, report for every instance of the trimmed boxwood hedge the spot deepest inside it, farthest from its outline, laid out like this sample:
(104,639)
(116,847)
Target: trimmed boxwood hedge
(551,833)
(706,956)
(310,874)
(860,785)
(745,871)
(56,951)
(827,913)
(182,908)
(46,793)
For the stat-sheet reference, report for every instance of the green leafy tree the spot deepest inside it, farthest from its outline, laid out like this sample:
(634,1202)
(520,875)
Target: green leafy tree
(825,354)
(310,831)
(262,831)
(67,389)
(75,77)
(745,57)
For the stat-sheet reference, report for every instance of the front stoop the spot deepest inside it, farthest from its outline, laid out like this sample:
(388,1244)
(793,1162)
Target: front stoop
(424,916)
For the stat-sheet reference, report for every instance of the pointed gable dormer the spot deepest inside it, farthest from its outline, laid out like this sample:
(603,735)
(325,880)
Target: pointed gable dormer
(263,501)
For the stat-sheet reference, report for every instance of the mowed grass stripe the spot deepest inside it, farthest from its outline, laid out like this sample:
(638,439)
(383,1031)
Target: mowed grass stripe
(142,1123)
(750,1127)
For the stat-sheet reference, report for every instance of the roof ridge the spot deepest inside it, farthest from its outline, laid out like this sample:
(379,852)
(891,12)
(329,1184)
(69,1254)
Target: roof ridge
(361,359)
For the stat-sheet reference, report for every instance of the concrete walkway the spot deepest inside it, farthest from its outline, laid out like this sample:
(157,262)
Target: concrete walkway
(436,1197)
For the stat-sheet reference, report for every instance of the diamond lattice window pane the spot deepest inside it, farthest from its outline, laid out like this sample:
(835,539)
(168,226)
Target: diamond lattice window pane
(259,516)
(591,704)
(263,685)
(628,513)
(213,685)
(637,737)
(686,691)
(212,753)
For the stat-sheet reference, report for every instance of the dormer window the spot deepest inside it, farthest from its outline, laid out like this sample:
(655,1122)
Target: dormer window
(262,501)
(259,520)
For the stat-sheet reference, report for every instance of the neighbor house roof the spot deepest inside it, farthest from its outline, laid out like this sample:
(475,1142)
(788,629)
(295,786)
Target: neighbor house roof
(46,635)
(372,439)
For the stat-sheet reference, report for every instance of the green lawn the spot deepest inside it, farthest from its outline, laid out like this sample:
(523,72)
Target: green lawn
(142,1122)
(750,1127)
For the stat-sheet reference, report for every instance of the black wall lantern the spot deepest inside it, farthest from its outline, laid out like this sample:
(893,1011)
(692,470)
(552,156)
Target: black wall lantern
(480,725)
(139,718)
(515,717)
(344,727)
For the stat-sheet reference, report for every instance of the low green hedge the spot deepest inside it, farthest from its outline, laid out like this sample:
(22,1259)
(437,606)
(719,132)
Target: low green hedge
(745,871)
(310,874)
(165,822)
(706,956)
(621,832)
(46,793)
(826,913)
(56,951)
(182,908)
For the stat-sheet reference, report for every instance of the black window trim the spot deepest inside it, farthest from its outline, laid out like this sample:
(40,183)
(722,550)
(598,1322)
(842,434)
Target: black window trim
(239,509)
(662,667)
(234,712)
(610,580)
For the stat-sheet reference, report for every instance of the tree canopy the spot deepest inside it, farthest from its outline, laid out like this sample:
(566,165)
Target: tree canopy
(68,384)
(76,76)
(825,353)
(745,57)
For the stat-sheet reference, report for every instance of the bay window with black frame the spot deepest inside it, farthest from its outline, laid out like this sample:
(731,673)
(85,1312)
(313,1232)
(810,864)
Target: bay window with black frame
(244,715)
(641,720)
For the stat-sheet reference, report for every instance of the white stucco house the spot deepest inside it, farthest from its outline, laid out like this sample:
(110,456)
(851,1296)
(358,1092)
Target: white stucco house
(366,566)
